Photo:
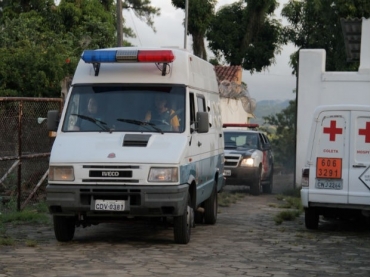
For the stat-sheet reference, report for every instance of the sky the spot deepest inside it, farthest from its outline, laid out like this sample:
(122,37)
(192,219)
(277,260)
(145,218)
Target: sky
(275,83)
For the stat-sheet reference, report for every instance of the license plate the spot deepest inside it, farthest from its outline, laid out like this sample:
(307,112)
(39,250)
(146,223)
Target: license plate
(227,172)
(109,205)
(329,168)
(329,184)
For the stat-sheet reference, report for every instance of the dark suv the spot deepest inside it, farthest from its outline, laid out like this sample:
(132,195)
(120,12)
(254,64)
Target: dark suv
(248,158)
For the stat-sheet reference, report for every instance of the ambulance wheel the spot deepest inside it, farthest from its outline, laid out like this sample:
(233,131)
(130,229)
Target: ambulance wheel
(268,187)
(255,188)
(64,228)
(311,218)
(210,207)
(182,224)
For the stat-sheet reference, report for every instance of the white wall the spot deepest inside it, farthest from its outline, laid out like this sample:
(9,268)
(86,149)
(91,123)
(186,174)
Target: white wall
(317,87)
(232,111)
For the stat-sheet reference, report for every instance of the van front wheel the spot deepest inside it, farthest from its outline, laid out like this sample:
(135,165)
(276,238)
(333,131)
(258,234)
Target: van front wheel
(210,207)
(64,228)
(182,224)
(311,218)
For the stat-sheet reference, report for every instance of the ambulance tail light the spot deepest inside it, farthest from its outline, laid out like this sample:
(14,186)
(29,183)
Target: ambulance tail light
(96,57)
(305,177)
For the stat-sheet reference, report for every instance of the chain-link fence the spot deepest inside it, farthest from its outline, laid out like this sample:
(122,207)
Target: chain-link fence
(25,147)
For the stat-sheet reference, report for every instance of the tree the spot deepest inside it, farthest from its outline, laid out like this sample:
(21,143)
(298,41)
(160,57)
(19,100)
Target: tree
(41,43)
(316,24)
(283,141)
(199,17)
(245,33)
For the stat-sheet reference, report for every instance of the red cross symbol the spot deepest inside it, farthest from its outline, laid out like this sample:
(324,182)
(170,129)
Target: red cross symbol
(365,132)
(332,130)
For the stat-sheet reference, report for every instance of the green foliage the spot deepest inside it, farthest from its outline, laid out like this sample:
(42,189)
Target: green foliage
(245,33)
(283,141)
(225,199)
(287,215)
(316,24)
(200,15)
(41,43)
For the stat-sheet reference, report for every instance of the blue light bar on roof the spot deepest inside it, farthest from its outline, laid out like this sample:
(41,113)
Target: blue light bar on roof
(108,56)
(124,56)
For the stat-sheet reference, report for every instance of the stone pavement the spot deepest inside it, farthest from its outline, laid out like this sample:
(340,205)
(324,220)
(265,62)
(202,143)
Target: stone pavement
(245,242)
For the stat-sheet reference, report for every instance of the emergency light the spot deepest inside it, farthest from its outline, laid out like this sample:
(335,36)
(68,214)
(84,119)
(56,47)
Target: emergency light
(246,125)
(96,57)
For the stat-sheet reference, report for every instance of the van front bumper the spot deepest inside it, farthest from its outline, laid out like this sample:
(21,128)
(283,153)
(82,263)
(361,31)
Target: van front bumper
(146,201)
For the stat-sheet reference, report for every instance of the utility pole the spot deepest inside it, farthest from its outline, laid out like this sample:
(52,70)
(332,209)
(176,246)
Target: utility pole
(186,21)
(119,23)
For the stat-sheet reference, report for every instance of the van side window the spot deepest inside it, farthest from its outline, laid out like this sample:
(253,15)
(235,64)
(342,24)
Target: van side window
(201,103)
(192,110)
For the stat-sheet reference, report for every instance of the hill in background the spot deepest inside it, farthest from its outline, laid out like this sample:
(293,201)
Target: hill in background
(266,108)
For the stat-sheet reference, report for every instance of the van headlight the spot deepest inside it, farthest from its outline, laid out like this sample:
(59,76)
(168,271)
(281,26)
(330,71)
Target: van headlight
(247,162)
(61,173)
(163,174)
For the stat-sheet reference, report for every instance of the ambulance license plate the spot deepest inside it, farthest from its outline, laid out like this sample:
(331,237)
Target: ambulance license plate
(329,184)
(227,172)
(109,205)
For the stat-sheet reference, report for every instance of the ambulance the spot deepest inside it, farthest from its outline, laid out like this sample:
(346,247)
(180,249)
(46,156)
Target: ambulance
(336,176)
(140,137)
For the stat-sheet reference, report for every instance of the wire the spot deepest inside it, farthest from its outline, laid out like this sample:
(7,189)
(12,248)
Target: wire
(137,34)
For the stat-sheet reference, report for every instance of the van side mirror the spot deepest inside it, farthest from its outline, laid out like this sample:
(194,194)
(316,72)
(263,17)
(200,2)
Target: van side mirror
(53,120)
(202,122)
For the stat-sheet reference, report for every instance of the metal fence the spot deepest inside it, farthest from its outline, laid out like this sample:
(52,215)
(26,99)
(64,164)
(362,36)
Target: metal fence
(25,146)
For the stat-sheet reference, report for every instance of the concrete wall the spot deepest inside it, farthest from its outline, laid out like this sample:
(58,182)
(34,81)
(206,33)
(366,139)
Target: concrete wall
(232,111)
(317,87)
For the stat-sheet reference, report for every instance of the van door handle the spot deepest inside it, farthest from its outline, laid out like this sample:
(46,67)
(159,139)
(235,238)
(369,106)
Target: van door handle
(358,165)
(199,143)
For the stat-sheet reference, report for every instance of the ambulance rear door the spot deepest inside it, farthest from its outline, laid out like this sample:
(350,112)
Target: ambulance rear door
(329,158)
(359,165)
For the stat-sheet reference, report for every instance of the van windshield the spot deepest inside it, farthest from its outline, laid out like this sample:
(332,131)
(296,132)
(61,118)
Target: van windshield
(117,108)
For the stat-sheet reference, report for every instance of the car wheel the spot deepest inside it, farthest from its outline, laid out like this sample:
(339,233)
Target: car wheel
(64,228)
(268,187)
(183,224)
(311,218)
(255,188)
(210,207)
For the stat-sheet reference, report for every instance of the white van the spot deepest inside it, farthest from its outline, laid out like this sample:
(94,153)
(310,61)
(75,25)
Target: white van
(336,176)
(140,136)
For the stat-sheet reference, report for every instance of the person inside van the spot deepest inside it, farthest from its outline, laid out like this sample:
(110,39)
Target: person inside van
(163,114)
(91,112)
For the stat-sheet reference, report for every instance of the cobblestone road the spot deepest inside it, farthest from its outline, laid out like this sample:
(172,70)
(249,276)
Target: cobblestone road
(245,242)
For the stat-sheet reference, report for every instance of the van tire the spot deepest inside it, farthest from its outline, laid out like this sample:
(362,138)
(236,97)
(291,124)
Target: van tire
(211,207)
(311,218)
(182,224)
(64,228)
(255,188)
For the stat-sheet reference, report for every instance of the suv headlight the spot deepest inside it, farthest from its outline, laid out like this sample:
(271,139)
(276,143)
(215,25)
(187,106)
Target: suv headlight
(163,174)
(61,173)
(247,162)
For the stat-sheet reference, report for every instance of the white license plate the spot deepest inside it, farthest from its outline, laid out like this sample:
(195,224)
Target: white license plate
(329,184)
(227,172)
(110,205)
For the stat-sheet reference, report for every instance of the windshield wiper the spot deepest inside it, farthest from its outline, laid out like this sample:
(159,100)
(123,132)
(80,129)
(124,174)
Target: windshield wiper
(97,122)
(140,123)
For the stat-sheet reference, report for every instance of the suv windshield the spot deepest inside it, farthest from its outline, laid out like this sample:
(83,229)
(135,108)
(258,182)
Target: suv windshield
(241,139)
(103,108)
